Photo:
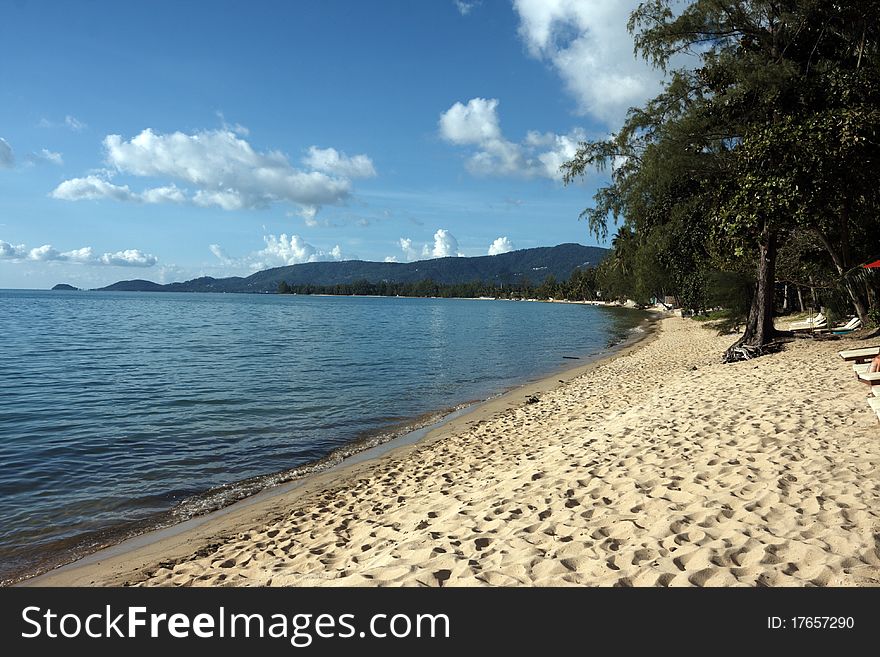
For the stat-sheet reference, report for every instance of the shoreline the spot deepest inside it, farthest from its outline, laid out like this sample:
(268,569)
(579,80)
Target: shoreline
(328,471)
(659,466)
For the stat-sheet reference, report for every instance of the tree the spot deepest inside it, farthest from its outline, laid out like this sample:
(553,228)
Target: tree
(753,142)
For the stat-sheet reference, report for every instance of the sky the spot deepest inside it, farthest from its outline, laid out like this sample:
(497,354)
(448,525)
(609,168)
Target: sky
(170,140)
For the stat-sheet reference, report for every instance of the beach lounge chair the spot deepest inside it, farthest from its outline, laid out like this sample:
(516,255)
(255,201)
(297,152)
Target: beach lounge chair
(819,326)
(812,322)
(852,325)
(875,405)
(871,378)
(860,355)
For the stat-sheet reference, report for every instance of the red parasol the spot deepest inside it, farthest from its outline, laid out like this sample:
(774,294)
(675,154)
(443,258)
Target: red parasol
(872,265)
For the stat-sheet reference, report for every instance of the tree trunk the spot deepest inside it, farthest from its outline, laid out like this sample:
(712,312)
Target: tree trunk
(841,263)
(785,298)
(800,299)
(759,326)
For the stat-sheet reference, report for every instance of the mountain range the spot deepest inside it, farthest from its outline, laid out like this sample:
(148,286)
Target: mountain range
(532,265)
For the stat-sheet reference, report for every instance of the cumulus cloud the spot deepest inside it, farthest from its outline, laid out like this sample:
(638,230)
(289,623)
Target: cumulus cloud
(129,258)
(474,123)
(7,155)
(444,245)
(167,194)
(331,161)
(94,187)
(279,251)
(500,245)
(223,169)
(588,45)
(82,256)
(390,258)
(45,253)
(91,187)
(409,251)
(12,251)
(477,124)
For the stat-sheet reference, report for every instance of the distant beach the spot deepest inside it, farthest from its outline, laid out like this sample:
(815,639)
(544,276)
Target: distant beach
(656,467)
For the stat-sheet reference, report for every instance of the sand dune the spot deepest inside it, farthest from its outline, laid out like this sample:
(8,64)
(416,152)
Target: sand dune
(661,467)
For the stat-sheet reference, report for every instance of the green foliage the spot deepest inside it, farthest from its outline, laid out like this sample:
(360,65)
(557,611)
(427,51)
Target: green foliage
(733,292)
(771,140)
(581,286)
(874,316)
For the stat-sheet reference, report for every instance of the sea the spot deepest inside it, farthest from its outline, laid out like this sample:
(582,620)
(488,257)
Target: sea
(125,412)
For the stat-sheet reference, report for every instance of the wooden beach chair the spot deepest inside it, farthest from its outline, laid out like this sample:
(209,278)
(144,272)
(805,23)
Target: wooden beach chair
(871,378)
(860,355)
(875,406)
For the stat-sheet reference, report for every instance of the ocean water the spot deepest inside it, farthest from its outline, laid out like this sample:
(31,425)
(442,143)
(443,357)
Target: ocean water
(120,412)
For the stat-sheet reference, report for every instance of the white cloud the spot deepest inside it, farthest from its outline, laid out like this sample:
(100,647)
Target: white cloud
(499,246)
(74,123)
(390,258)
(45,253)
(477,124)
(279,252)
(129,258)
(12,251)
(331,161)
(91,187)
(83,256)
(220,253)
(227,199)
(464,8)
(309,214)
(410,253)
(224,169)
(474,123)
(45,155)
(237,128)
(7,155)
(222,165)
(167,194)
(445,245)
(69,122)
(169,273)
(588,45)
(94,187)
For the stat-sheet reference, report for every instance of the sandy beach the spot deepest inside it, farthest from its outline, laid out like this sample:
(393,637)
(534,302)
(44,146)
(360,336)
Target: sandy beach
(657,467)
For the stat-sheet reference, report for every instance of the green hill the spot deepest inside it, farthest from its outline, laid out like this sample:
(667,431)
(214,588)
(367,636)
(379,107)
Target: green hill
(532,265)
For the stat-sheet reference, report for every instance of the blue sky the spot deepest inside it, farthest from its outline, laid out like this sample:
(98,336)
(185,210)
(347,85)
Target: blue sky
(168,140)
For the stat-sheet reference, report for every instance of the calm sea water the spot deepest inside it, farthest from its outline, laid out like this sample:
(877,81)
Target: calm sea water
(120,412)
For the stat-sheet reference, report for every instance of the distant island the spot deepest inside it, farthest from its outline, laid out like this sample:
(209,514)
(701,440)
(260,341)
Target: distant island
(64,287)
(524,268)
